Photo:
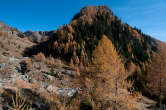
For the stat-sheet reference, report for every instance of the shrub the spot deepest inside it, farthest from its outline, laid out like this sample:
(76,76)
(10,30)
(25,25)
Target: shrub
(40,57)
(18,103)
(52,61)
(77,71)
(55,74)
(20,35)
(71,63)
(85,104)
(26,66)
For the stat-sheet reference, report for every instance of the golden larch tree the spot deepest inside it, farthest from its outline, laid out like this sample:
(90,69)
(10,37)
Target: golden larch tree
(111,75)
(157,74)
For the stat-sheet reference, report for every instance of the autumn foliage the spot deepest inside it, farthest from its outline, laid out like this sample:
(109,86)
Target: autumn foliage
(110,77)
(40,57)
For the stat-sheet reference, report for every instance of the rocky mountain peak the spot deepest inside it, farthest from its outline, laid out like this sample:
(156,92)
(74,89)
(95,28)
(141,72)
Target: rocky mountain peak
(89,13)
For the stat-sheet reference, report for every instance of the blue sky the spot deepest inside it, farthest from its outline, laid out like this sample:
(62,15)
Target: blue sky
(148,15)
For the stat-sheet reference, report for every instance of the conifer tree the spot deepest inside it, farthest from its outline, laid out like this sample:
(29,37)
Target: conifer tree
(109,69)
(71,63)
(156,74)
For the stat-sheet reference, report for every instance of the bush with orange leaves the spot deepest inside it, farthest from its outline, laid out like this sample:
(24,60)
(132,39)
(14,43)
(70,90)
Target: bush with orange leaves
(50,61)
(71,64)
(77,71)
(40,57)
(75,58)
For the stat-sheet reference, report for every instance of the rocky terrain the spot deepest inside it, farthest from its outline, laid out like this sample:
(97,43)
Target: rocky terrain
(38,37)
(96,62)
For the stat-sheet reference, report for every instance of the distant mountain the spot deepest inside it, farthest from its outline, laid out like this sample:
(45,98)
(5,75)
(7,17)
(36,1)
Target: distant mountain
(38,37)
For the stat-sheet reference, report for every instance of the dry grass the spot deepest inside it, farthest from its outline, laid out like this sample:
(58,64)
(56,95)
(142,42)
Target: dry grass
(6,71)
(18,103)
(22,84)
(13,44)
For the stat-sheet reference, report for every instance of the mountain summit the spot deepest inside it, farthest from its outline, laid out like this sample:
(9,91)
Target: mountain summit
(90,12)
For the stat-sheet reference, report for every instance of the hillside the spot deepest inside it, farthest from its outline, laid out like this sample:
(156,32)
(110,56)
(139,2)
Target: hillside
(11,44)
(86,29)
(96,62)
(79,38)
